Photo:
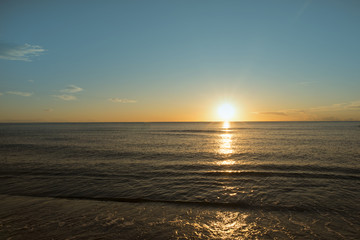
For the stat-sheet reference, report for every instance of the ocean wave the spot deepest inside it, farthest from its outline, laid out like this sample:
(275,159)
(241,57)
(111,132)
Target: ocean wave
(149,153)
(157,174)
(232,205)
(281,174)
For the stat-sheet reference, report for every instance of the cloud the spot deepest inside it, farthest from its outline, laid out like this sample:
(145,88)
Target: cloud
(272,113)
(1,93)
(65,97)
(337,107)
(48,110)
(72,89)
(356,107)
(123,100)
(69,89)
(24,94)
(31,81)
(346,111)
(19,52)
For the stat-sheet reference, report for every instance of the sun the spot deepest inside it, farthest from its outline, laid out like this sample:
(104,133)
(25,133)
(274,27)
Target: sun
(226,112)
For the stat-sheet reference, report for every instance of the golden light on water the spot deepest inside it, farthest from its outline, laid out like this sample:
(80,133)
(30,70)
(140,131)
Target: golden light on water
(226,162)
(218,225)
(226,125)
(225,143)
(228,225)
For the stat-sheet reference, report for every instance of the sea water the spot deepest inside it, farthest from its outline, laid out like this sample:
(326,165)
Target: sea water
(244,180)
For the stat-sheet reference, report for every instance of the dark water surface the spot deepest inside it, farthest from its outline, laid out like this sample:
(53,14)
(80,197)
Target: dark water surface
(289,180)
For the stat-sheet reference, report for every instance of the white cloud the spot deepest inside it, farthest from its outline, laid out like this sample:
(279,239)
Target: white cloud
(24,94)
(122,100)
(69,89)
(65,97)
(72,89)
(19,52)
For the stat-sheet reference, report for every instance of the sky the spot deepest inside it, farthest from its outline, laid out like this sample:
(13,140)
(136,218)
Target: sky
(157,61)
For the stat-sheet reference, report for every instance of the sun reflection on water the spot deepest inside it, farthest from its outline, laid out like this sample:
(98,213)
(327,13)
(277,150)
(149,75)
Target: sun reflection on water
(226,162)
(221,224)
(225,144)
(228,225)
(226,125)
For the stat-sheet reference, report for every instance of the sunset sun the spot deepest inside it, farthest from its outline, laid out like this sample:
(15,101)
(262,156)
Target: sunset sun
(226,112)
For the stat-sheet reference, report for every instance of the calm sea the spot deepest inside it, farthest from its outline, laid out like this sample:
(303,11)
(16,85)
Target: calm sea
(274,180)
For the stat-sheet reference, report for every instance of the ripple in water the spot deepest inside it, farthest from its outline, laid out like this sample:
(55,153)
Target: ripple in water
(180,180)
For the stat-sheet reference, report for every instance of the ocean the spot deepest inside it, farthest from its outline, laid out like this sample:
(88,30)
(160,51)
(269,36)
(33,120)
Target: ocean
(243,180)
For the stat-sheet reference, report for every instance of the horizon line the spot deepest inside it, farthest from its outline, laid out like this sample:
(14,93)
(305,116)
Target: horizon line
(28,122)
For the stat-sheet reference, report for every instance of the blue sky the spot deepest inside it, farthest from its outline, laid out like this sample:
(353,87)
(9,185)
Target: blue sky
(178,60)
